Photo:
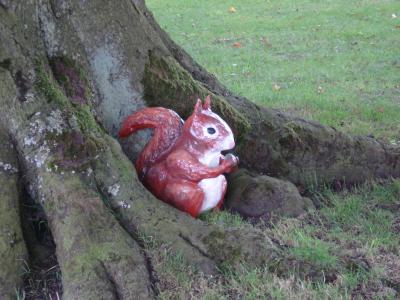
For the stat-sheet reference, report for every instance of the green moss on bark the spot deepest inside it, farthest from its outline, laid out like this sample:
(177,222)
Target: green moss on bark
(168,84)
(51,90)
(73,150)
(47,87)
(72,78)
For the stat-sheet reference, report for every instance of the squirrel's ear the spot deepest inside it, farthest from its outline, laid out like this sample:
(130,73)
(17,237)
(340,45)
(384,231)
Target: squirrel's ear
(198,108)
(207,103)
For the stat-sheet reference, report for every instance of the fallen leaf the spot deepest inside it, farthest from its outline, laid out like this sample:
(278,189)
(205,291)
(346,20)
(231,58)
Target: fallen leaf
(394,16)
(237,45)
(265,41)
(276,87)
(248,74)
(232,9)
(381,109)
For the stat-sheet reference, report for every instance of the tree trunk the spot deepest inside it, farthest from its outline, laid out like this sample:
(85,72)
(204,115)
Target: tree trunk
(70,72)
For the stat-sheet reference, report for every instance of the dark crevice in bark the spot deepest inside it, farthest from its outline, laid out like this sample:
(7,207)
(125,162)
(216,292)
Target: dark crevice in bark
(134,234)
(22,84)
(5,63)
(3,5)
(133,4)
(153,277)
(201,251)
(53,9)
(116,293)
(43,275)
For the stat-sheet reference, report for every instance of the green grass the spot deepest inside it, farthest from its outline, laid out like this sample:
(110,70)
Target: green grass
(313,250)
(358,224)
(359,216)
(336,62)
(223,218)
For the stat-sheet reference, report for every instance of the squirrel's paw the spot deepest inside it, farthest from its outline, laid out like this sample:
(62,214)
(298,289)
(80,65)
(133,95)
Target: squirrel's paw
(231,161)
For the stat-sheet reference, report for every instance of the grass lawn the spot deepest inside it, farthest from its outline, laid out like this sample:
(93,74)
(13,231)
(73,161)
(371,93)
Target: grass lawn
(336,62)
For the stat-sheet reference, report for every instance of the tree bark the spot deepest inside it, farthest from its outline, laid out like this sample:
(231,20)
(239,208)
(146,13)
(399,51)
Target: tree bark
(13,254)
(70,72)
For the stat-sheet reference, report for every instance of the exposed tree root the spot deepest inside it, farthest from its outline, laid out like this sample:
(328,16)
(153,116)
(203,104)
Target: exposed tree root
(97,258)
(259,198)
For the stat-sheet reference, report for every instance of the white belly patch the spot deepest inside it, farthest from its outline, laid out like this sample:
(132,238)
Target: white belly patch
(213,189)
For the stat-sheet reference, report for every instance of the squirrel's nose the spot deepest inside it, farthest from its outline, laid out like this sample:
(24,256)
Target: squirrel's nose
(229,143)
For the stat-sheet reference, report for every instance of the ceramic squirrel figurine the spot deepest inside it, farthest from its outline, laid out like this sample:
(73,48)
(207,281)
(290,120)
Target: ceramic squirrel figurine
(182,163)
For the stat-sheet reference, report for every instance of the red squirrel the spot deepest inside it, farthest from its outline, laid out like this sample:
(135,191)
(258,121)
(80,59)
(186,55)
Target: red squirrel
(182,163)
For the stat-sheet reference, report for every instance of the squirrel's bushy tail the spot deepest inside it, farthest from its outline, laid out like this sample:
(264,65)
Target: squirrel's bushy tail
(167,127)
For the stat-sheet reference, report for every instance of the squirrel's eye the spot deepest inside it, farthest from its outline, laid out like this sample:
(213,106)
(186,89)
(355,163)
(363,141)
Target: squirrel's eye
(210,130)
